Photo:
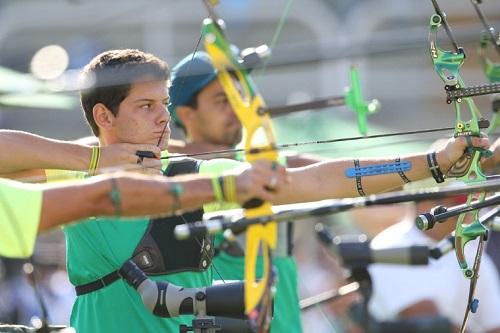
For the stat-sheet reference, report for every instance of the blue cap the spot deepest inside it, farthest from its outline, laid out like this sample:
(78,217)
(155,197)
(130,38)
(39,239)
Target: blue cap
(188,77)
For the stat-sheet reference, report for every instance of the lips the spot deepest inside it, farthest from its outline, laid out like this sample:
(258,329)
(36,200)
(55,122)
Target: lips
(162,132)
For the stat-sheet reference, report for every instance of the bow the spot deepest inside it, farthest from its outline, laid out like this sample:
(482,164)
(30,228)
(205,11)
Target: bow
(447,64)
(248,105)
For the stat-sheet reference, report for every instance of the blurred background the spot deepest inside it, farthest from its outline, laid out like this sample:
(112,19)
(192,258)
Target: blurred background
(44,43)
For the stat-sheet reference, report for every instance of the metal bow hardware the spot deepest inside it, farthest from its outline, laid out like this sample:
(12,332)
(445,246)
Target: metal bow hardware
(250,109)
(447,64)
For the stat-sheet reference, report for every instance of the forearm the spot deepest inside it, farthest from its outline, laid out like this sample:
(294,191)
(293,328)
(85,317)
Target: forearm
(328,180)
(300,160)
(139,196)
(154,196)
(25,151)
(69,202)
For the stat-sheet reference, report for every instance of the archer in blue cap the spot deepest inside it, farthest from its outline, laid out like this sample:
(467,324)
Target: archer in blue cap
(188,77)
(199,104)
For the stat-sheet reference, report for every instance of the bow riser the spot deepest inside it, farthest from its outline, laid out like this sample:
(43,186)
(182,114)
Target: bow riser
(248,106)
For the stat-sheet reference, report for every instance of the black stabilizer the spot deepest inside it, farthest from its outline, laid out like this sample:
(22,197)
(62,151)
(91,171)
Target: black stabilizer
(355,254)
(414,325)
(230,325)
(425,221)
(132,274)
(226,300)
(419,255)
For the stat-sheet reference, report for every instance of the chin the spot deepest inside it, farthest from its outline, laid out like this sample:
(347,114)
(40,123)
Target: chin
(235,139)
(164,143)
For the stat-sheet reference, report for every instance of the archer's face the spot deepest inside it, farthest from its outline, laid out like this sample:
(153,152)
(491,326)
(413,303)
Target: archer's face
(214,120)
(143,116)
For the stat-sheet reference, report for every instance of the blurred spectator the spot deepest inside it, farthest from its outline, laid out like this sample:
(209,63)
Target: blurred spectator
(18,303)
(438,288)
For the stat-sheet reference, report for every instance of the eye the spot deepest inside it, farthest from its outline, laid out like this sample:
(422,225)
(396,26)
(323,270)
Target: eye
(222,101)
(147,106)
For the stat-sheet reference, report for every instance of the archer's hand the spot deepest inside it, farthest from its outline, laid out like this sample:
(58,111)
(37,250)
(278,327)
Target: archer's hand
(123,155)
(494,161)
(259,180)
(455,149)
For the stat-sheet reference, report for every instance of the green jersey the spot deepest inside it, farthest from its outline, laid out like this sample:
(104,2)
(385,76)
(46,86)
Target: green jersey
(101,245)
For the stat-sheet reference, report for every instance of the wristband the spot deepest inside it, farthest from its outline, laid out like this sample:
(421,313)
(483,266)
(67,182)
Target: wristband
(94,160)
(217,188)
(228,188)
(434,167)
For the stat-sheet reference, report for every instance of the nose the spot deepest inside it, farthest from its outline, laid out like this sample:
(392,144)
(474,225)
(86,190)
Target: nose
(164,114)
(230,111)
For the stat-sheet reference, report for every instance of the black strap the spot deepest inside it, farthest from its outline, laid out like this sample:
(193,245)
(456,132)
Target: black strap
(359,187)
(97,284)
(400,172)
(434,167)
(290,228)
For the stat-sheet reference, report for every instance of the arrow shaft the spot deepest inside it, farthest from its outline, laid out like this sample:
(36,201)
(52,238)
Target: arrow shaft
(312,105)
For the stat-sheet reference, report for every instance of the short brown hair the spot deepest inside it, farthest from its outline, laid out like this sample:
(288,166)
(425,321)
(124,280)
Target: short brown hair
(108,77)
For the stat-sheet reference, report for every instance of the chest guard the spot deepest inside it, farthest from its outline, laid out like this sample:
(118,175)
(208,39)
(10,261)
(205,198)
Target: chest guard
(159,252)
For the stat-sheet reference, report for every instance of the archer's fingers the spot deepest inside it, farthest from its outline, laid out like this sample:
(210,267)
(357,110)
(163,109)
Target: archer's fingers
(479,142)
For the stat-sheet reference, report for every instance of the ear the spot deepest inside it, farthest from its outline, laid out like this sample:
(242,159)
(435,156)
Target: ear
(103,117)
(185,114)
